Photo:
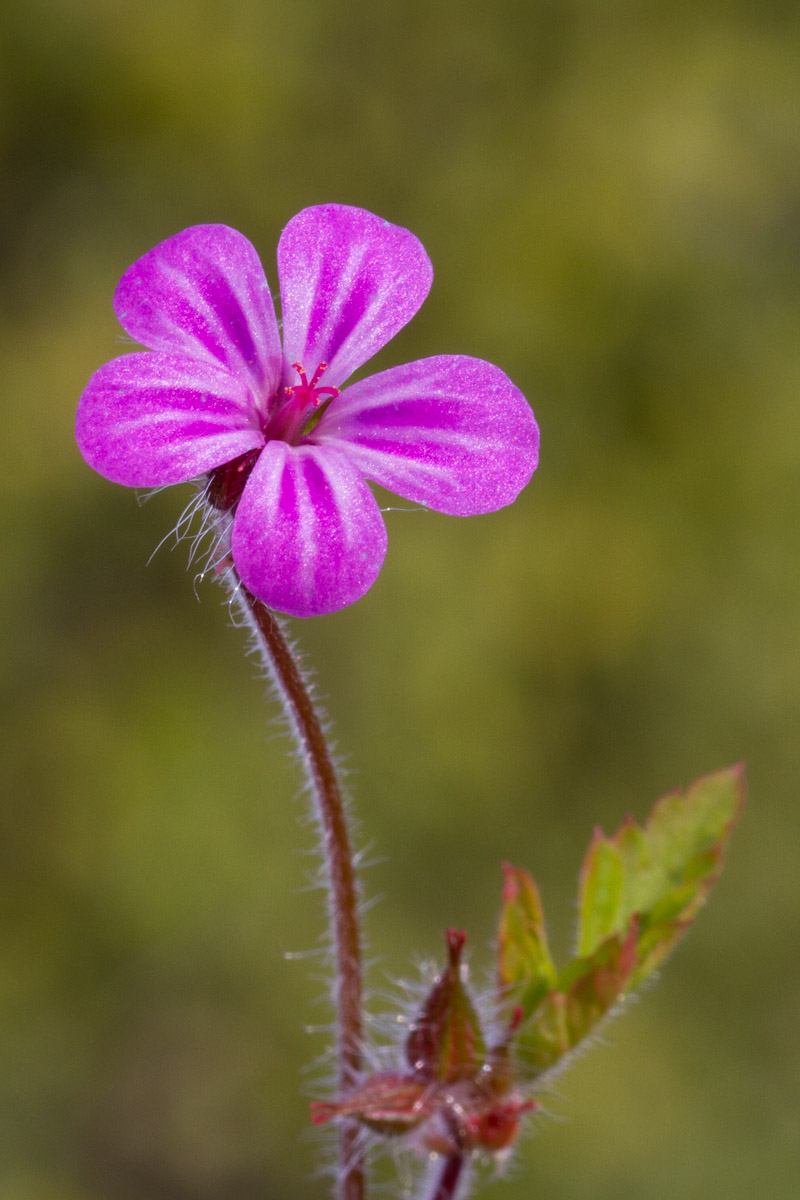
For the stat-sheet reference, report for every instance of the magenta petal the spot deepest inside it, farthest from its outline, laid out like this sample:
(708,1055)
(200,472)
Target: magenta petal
(349,282)
(308,536)
(450,432)
(151,419)
(203,292)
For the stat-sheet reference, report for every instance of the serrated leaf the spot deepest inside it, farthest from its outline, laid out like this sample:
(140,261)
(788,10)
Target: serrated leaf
(639,892)
(662,871)
(588,988)
(602,883)
(523,958)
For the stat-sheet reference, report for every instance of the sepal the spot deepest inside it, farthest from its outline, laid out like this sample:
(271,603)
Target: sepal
(456,1097)
(387,1103)
(446,1041)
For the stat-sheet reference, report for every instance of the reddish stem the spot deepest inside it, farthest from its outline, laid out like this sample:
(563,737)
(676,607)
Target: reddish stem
(447,1185)
(341,875)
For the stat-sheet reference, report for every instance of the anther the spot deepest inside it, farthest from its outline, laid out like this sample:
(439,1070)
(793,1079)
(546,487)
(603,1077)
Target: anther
(310,390)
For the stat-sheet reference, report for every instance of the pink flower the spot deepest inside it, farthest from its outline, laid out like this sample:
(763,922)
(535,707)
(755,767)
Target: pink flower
(284,450)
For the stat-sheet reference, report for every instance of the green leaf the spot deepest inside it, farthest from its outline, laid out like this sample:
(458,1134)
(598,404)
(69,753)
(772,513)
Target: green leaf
(588,988)
(524,965)
(602,882)
(639,892)
(662,872)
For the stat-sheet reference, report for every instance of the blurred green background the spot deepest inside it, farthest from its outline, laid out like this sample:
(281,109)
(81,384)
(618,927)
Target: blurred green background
(610,194)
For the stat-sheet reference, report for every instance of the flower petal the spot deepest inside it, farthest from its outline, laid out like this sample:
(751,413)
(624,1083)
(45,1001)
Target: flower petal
(450,432)
(150,419)
(308,536)
(349,282)
(203,292)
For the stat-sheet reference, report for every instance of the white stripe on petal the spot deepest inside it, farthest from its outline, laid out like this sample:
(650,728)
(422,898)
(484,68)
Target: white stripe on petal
(308,537)
(450,432)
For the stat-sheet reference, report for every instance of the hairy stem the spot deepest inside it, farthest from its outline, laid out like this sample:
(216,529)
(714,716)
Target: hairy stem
(447,1184)
(322,777)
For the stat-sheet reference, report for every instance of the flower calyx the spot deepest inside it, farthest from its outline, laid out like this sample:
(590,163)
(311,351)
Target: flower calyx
(226,483)
(455,1095)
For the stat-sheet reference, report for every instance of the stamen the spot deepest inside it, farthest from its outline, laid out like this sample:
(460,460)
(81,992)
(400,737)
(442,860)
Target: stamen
(310,390)
(303,405)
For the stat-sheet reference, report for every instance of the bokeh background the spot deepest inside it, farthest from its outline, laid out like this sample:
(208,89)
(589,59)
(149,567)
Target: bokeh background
(610,193)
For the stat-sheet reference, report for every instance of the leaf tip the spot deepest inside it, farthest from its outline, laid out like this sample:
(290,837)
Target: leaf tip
(509,882)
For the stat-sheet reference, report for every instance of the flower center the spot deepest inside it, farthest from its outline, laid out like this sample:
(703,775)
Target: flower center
(301,405)
(309,392)
(301,409)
